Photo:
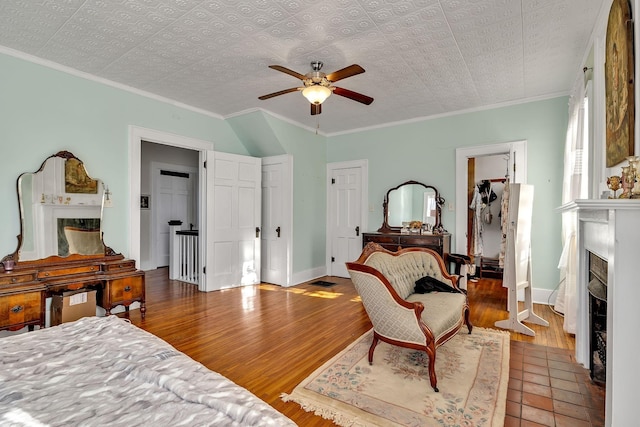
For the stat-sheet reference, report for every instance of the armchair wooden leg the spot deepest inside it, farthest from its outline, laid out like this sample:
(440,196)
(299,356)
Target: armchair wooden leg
(431,352)
(373,347)
(467,321)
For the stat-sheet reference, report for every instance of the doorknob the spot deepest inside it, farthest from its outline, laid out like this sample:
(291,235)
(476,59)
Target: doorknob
(257,232)
(278,231)
(357,230)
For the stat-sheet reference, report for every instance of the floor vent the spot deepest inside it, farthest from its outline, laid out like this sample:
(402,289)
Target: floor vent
(323,283)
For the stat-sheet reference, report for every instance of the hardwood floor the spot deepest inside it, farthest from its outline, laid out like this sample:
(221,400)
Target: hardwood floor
(488,301)
(268,339)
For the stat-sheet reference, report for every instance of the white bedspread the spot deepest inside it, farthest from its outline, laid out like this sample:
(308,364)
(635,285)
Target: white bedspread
(104,371)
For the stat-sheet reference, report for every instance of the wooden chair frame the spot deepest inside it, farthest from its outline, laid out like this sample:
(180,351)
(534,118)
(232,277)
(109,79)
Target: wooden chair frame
(431,344)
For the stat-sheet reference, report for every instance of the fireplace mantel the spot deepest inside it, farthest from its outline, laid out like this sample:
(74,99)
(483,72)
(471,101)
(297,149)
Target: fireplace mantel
(611,230)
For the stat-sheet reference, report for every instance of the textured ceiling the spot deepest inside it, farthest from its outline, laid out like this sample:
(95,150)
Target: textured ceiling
(422,57)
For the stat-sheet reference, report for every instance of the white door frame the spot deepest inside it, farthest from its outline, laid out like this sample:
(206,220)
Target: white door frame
(136,136)
(287,209)
(518,152)
(364,202)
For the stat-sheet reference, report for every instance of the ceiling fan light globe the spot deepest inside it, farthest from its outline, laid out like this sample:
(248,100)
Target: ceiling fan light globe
(316,94)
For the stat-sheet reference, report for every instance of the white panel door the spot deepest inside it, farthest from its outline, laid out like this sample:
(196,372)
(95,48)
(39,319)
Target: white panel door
(233,205)
(276,222)
(174,203)
(345,217)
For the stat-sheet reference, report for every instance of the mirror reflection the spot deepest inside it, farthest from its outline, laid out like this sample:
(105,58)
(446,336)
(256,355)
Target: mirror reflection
(60,210)
(412,202)
(413,206)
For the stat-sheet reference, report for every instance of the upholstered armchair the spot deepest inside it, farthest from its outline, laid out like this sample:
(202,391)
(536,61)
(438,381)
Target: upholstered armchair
(385,282)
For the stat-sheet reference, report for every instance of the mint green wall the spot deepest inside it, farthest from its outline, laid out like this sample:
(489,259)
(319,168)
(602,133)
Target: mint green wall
(44,111)
(309,192)
(425,151)
(256,134)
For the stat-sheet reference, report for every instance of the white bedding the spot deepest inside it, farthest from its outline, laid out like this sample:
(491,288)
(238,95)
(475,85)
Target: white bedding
(104,371)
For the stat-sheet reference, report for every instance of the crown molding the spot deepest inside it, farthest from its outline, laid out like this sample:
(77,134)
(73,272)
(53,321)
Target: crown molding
(452,113)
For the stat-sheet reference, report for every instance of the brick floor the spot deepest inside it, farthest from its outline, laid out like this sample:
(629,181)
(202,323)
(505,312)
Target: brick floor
(548,388)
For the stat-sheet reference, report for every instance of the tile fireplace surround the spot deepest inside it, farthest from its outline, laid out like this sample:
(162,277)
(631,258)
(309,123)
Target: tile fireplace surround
(611,230)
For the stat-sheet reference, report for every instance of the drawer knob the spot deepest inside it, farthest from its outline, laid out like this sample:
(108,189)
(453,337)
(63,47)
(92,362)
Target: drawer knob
(14,280)
(17,309)
(127,289)
(120,266)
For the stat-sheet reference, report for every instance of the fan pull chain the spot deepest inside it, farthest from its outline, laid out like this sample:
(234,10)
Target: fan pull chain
(317,124)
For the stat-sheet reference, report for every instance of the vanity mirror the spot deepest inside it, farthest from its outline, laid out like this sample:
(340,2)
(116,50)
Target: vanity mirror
(60,211)
(412,201)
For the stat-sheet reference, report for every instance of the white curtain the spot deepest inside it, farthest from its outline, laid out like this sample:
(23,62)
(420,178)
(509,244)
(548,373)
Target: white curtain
(574,187)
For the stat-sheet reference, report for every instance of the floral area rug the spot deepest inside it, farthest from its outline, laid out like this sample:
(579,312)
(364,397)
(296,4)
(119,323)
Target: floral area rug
(472,371)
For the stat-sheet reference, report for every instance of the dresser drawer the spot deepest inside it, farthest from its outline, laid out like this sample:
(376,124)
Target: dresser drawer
(125,289)
(20,309)
(68,271)
(380,239)
(124,265)
(440,243)
(15,277)
(421,240)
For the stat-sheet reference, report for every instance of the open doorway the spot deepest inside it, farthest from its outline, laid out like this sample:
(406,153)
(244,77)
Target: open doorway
(517,166)
(138,136)
(169,177)
(487,177)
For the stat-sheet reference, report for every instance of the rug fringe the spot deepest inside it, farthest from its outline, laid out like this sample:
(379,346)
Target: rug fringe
(497,331)
(327,414)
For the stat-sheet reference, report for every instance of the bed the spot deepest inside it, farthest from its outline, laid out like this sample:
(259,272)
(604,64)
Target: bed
(105,371)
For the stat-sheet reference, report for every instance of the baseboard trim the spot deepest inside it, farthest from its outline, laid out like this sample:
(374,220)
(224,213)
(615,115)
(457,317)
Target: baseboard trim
(308,275)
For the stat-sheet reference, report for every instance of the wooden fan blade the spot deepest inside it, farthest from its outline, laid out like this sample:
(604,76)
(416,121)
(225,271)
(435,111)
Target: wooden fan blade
(349,71)
(353,95)
(282,92)
(316,109)
(288,71)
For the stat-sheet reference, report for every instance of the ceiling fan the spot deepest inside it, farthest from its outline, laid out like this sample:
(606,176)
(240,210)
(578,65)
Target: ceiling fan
(318,86)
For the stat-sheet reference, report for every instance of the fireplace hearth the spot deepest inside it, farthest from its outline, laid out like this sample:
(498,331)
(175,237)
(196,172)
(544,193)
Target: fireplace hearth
(597,289)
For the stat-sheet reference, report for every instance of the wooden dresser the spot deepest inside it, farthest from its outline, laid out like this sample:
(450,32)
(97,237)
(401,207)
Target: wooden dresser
(61,246)
(24,290)
(440,243)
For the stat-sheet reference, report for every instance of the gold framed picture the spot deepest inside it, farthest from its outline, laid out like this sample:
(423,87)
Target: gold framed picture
(619,84)
(76,179)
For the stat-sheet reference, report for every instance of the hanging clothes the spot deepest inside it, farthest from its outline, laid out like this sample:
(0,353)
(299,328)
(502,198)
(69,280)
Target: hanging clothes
(486,191)
(504,222)
(488,196)
(476,205)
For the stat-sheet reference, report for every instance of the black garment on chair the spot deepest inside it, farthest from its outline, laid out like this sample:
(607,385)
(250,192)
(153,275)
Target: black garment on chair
(428,284)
